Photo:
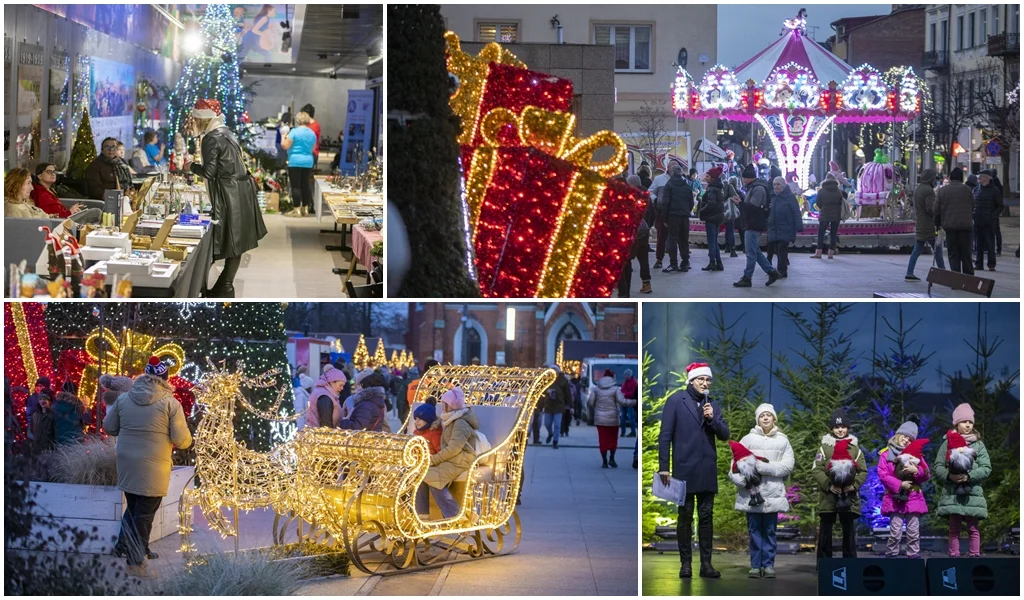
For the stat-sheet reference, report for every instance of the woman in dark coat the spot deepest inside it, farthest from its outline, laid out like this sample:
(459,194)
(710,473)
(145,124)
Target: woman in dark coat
(686,443)
(830,212)
(784,220)
(232,192)
(924,227)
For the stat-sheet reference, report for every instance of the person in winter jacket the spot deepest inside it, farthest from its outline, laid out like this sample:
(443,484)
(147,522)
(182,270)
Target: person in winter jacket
(70,416)
(640,250)
(604,405)
(657,189)
(953,213)
(773,463)
(410,392)
(369,408)
(830,497)
(148,423)
(43,383)
(755,222)
(428,426)
(686,444)
(988,204)
(924,215)
(301,400)
(784,221)
(901,471)
(830,203)
(627,417)
(556,398)
(324,408)
(962,445)
(712,213)
(456,456)
(675,203)
(41,429)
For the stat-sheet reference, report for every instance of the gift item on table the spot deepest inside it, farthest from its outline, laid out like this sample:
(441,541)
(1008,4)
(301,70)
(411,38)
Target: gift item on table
(93,286)
(107,238)
(130,264)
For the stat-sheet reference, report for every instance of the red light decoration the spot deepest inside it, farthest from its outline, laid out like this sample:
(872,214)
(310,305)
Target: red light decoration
(27,354)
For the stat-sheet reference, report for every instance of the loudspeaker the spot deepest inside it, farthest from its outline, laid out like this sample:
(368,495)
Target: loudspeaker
(974,577)
(871,577)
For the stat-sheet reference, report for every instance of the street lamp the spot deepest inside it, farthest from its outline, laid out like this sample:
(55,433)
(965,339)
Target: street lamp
(510,333)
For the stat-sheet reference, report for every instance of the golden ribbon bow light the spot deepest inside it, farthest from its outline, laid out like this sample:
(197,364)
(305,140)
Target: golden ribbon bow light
(471,72)
(124,354)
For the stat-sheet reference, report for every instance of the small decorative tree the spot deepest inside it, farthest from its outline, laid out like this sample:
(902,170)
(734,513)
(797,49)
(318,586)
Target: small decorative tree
(361,358)
(84,150)
(380,356)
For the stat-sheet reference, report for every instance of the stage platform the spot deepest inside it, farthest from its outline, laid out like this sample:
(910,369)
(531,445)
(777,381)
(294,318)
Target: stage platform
(795,575)
(853,234)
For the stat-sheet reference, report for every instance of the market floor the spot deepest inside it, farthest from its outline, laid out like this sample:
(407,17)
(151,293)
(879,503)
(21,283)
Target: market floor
(291,262)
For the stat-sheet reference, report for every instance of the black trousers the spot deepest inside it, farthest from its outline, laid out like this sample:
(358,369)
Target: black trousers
(958,242)
(848,521)
(566,419)
(985,239)
(999,235)
(679,241)
(301,180)
(782,249)
(538,417)
(833,227)
(705,502)
(136,525)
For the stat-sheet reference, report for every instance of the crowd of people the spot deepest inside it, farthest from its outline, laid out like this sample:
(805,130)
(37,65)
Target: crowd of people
(965,214)
(763,459)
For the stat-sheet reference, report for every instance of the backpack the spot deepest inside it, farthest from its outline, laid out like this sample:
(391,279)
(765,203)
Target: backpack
(480,443)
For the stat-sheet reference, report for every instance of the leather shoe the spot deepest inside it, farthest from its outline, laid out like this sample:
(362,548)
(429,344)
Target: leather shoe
(709,572)
(685,572)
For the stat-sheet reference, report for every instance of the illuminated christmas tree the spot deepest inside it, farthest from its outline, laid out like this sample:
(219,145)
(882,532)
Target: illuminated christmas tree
(396,360)
(84,150)
(380,357)
(212,72)
(361,359)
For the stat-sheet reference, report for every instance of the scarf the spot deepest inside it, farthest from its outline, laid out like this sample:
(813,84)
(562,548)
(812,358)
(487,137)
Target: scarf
(970,438)
(449,417)
(894,449)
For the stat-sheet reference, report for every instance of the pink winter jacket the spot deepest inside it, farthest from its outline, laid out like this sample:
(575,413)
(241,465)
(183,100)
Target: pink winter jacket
(891,482)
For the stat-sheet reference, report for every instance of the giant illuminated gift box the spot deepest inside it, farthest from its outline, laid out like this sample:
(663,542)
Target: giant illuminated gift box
(545,219)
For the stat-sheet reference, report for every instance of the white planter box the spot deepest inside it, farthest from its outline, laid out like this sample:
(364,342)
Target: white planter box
(87,506)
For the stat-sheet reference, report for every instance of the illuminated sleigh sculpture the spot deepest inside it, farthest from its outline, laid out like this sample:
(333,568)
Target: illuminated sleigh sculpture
(357,489)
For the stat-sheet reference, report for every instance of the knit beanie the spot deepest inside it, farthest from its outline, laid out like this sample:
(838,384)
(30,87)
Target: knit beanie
(962,413)
(157,368)
(749,172)
(455,398)
(838,418)
(360,376)
(956,175)
(763,408)
(425,412)
(908,429)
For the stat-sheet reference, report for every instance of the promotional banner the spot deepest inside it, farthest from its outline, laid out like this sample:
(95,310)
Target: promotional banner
(358,128)
(30,103)
(111,101)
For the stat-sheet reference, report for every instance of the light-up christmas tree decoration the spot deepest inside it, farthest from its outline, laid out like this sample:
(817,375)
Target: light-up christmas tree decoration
(212,73)
(84,150)
(380,356)
(361,358)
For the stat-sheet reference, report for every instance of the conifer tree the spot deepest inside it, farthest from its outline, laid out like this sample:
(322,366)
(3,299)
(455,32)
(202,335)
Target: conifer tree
(83,152)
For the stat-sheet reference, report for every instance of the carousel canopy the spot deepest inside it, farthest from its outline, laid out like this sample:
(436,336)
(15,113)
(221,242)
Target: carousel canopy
(795,47)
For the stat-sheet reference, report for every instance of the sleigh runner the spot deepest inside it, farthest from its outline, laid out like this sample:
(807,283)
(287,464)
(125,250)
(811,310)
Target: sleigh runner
(357,489)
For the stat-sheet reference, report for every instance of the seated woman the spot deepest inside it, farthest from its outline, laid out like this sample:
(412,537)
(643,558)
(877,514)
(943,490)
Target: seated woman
(369,412)
(458,434)
(44,198)
(18,196)
(428,426)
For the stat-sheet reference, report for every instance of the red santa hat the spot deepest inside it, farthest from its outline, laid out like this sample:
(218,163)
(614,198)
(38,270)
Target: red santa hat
(915,449)
(954,441)
(740,454)
(842,463)
(696,370)
(206,108)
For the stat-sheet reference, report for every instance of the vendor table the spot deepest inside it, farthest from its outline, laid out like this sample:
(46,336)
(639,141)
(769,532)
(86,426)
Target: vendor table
(362,246)
(192,275)
(347,209)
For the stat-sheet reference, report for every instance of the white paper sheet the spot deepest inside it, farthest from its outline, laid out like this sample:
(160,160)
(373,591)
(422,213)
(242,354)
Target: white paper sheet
(674,492)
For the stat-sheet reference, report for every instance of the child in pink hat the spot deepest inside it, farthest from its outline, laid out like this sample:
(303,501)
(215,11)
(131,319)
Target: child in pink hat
(960,467)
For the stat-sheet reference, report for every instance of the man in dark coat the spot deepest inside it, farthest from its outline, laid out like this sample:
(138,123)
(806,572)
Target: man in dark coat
(988,203)
(953,204)
(107,171)
(924,213)
(232,192)
(675,203)
(755,222)
(557,397)
(686,444)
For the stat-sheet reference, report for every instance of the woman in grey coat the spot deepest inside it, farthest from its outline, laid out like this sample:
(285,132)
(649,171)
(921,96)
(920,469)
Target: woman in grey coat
(232,191)
(148,423)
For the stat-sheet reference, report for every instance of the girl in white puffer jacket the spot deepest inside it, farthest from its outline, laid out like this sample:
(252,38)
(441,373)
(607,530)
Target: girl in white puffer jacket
(767,442)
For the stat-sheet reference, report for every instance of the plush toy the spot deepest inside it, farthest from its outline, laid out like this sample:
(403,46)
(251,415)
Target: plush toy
(744,462)
(960,458)
(842,470)
(910,457)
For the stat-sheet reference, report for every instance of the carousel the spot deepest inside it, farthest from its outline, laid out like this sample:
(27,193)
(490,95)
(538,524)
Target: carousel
(797,92)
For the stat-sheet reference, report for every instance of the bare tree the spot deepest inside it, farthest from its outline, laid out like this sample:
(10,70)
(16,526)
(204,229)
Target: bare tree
(647,129)
(998,115)
(955,109)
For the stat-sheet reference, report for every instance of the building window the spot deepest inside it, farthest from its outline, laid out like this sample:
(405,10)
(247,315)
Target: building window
(995,20)
(471,344)
(632,45)
(503,33)
(960,32)
(983,22)
(932,35)
(1013,21)
(970,95)
(971,30)
(944,42)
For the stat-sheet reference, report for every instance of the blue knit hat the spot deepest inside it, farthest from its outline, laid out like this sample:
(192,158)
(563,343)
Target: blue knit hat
(425,412)
(156,367)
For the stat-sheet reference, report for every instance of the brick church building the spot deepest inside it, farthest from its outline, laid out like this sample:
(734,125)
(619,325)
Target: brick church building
(457,333)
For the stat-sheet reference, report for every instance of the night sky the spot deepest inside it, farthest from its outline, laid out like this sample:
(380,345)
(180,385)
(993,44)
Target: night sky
(945,328)
(746,29)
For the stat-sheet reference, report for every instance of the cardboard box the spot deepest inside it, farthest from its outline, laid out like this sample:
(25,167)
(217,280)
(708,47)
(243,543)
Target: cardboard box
(109,240)
(273,201)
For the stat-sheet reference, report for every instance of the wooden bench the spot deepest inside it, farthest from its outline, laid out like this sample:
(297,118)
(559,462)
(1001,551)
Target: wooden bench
(951,279)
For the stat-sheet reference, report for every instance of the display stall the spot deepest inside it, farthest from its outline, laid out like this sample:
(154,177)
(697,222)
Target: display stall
(355,205)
